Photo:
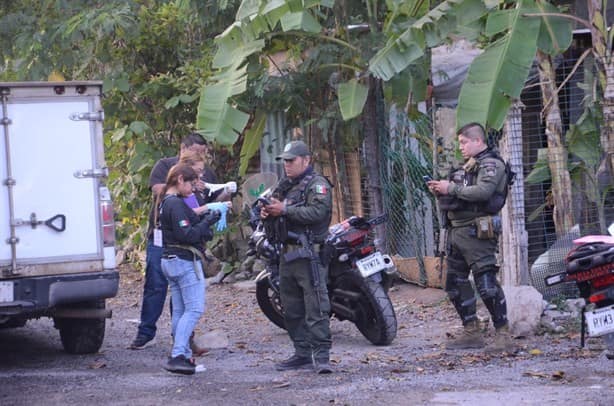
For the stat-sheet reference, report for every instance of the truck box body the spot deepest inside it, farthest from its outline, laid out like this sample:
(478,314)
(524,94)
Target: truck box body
(56,221)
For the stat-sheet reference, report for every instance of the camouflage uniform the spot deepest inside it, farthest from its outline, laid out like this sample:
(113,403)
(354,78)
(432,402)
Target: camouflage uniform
(306,310)
(474,187)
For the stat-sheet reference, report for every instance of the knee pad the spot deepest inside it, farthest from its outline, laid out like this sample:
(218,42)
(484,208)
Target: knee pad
(493,297)
(462,296)
(487,284)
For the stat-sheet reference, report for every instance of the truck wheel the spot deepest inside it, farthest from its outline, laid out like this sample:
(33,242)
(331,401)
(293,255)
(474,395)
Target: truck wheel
(81,336)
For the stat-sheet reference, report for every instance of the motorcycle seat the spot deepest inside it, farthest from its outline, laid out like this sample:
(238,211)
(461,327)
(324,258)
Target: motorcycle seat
(588,256)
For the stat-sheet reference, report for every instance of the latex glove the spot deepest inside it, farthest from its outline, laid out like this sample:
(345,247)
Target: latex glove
(221,224)
(231,187)
(222,207)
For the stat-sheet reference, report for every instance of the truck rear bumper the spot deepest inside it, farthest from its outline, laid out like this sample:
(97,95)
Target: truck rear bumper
(38,294)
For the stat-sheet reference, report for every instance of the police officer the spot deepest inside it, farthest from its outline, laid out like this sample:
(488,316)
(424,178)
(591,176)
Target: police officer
(303,200)
(471,197)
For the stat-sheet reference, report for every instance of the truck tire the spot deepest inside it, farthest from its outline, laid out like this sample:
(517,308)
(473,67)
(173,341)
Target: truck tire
(81,336)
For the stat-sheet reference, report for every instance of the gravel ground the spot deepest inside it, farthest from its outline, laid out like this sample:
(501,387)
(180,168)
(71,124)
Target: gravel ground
(415,369)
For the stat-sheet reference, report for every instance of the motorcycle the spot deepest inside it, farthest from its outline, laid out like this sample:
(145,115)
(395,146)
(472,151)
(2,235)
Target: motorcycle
(358,282)
(590,265)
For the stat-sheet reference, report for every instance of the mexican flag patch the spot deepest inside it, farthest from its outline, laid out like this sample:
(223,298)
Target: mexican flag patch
(184,223)
(321,189)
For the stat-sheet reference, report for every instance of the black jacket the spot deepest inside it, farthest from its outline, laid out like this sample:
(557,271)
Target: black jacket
(181,226)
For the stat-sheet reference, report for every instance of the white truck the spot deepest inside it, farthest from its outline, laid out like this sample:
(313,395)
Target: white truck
(57,234)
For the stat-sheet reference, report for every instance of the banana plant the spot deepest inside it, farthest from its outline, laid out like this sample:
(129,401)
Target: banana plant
(584,162)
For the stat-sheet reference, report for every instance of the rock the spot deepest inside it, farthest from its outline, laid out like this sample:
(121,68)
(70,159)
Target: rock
(245,285)
(247,264)
(216,279)
(524,309)
(552,320)
(212,339)
(213,267)
(575,306)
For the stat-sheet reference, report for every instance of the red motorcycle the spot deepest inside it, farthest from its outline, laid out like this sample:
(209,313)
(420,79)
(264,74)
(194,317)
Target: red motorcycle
(590,265)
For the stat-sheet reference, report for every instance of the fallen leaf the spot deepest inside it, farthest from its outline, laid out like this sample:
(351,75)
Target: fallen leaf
(558,375)
(535,351)
(98,365)
(535,374)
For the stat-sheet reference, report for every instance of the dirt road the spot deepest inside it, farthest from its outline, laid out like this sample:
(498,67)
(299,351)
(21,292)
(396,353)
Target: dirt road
(415,369)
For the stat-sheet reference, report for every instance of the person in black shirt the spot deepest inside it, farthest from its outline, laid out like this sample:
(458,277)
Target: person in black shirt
(182,232)
(156,286)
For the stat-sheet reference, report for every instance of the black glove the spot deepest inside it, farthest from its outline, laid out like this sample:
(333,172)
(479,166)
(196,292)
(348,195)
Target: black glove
(211,217)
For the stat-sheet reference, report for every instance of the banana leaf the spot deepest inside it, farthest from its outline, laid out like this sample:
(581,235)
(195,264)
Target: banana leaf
(352,98)
(251,144)
(497,76)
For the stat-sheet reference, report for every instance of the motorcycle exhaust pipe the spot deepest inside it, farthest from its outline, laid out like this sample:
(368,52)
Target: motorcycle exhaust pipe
(390,267)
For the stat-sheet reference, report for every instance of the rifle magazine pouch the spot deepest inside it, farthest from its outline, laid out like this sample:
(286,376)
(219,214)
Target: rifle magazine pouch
(300,253)
(485,228)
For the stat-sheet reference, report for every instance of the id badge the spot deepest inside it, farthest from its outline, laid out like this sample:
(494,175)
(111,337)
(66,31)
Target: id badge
(157,237)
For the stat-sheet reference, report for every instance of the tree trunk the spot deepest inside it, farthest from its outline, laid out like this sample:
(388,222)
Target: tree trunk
(607,128)
(605,73)
(371,123)
(557,153)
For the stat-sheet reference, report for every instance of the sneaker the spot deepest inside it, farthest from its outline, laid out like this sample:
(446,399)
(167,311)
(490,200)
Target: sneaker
(142,342)
(470,337)
(322,366)
(294,362)
(503,342)
(180,365)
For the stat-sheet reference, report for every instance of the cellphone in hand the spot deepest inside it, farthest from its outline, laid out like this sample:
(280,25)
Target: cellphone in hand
(427,178)
(264,201)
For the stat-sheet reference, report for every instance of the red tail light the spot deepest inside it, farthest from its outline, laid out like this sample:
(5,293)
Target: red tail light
(603,281)
(353,237)
(597,298)
(108,220)
(366,250)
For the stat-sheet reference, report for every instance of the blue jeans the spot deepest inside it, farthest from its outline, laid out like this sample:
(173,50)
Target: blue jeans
(187,285)
(154,291)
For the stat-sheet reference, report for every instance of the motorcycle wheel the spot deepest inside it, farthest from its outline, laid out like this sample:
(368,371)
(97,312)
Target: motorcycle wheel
(269,301)
(375,318)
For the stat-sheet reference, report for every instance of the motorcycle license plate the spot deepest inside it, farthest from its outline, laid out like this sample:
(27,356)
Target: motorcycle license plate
(600,321)
(371,264)
(6,292)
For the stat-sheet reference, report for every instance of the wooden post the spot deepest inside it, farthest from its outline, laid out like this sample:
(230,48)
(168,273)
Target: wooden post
(514,239)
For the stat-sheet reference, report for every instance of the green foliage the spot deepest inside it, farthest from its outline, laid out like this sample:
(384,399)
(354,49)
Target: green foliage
(583,145)
(496,77)
(153,57)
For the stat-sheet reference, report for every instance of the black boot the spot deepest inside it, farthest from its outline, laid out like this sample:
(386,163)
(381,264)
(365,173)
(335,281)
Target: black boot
(294,362)
(322,366)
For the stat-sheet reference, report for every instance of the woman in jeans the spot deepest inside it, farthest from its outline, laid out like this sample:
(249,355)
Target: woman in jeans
(183,233)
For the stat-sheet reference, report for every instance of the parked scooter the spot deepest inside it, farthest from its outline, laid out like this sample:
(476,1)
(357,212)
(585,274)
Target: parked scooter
(358,282)
(591,266)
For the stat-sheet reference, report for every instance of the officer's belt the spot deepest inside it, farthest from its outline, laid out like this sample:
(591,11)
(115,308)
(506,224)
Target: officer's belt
(462,223)
(292,246)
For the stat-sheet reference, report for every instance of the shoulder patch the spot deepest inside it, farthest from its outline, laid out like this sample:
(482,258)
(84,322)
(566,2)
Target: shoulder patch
(490,170)
(320,189)
(184,223)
